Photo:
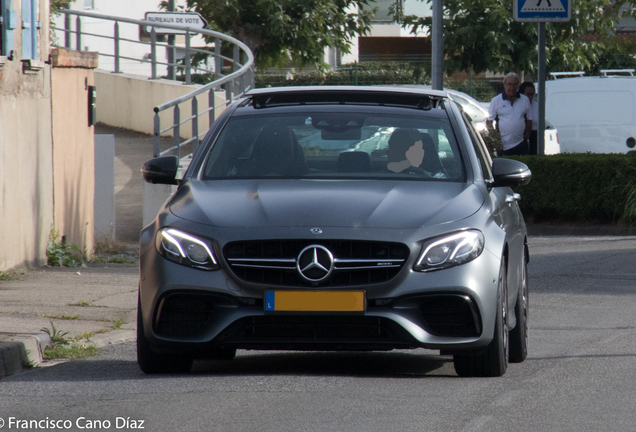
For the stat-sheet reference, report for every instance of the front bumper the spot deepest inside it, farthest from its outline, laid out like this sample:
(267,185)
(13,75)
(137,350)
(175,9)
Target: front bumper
(186,310)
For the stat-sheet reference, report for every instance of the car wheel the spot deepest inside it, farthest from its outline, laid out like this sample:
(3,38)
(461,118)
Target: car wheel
(494,361)
(519,335)
(222,353)
(154,363)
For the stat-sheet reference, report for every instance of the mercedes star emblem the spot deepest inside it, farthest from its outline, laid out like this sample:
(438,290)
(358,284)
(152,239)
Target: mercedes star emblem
(316,231)
(315,263)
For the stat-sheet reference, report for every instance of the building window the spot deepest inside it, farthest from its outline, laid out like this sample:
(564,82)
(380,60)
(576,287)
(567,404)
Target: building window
(29,29)
(8,23)
(383,14)
(89,4)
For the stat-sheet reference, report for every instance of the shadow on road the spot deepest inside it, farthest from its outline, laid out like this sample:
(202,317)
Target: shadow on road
(326,364)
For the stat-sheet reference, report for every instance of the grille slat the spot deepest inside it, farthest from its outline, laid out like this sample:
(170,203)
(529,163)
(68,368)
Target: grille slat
(273,262)
(315,329)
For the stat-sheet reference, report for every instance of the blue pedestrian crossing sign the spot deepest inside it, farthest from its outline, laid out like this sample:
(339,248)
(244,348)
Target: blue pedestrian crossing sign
(542,10)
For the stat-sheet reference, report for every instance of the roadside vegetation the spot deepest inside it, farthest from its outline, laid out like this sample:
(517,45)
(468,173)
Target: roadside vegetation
(109,251)
(62,254)
(581,188)
(7,275)
(63,347)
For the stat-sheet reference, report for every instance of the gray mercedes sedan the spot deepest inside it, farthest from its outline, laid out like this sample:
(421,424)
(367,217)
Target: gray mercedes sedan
(337,218)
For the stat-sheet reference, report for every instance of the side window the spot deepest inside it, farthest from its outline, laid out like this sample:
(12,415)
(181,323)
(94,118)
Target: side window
(8,23)
(480,148)
(30,29)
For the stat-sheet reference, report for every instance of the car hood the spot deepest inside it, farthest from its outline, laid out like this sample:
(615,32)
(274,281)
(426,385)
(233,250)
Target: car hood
(320,203)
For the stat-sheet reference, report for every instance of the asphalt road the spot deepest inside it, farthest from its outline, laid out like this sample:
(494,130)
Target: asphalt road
(580,374)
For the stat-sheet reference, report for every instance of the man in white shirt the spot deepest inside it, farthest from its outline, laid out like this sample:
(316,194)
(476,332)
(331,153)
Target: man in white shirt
(512,112)
(527,88)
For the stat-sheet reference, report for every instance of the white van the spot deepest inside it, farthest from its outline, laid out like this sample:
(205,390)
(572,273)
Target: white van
(593,114)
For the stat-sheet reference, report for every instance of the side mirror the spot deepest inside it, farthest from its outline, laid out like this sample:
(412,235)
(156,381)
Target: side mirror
(161,170)
(510,172)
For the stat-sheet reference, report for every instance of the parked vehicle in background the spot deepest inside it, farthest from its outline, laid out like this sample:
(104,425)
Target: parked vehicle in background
(475,109)
(337,218)
(551,140)
(594,114)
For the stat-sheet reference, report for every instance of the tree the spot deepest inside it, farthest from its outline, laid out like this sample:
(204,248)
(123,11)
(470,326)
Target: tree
(56,5)
(282,31)
(54,11)
(483,35)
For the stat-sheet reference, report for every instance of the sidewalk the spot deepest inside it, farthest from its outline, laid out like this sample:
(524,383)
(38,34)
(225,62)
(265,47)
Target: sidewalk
(98,301)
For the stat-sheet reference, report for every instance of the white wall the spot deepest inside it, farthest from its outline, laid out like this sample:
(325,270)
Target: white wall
(127,101)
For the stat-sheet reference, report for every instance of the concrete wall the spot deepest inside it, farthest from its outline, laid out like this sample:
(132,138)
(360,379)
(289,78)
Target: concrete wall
(73,147)
(26,172)
(127,101)
(105,222)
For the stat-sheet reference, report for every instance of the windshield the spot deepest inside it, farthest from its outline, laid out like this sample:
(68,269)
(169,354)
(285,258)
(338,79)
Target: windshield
(335,145)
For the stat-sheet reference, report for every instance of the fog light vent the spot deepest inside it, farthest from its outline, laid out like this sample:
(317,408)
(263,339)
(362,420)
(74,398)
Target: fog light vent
(451,315)
(183,314)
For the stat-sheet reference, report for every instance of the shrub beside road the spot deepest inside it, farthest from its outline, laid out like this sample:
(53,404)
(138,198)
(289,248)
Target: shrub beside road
(580,189)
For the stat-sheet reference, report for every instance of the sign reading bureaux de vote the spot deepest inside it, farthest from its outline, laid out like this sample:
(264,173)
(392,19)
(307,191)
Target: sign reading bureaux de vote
(188,19)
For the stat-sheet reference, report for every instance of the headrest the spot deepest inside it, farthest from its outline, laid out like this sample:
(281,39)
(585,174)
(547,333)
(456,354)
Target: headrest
(357,161)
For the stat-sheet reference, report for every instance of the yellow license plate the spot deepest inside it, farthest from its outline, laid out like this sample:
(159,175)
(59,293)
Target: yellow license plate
(315,301)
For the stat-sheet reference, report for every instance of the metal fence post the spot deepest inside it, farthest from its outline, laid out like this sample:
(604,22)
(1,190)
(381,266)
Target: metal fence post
(188,61)
(212,106)
(67,31)
(116,47)
(153,53)
(78,34)
(195,124)
(172,58)
(156,142)
(236,60)
(218,61)
(176,137)
(229,86)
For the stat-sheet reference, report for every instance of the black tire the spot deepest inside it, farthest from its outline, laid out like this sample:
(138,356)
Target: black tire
(494,361)
(519,335)
(222,354)
(151,362)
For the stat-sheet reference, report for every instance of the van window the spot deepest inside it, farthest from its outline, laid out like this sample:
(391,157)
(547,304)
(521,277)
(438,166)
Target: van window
(590,108)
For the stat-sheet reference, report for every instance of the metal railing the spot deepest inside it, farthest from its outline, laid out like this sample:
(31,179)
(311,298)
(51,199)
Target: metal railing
(233,76)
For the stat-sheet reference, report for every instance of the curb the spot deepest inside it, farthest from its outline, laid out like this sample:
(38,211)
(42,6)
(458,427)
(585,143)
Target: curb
(580,230)
(19,351)
(113,337)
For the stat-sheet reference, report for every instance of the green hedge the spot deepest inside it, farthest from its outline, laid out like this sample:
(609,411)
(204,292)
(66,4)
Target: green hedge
(367,73)
(580,188)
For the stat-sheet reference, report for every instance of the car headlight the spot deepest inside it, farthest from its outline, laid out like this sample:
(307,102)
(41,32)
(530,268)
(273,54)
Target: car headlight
(186,249)
(450,250)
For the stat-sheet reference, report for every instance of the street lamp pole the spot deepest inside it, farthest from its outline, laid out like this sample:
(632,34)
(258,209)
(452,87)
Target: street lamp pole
(437,58)
(541,90)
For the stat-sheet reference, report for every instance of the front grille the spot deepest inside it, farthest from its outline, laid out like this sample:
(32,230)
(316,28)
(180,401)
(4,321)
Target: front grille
(355,262)
(304,331)
(451,315)
(187,314)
